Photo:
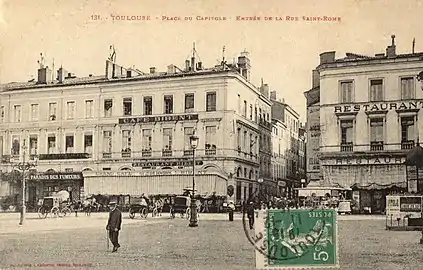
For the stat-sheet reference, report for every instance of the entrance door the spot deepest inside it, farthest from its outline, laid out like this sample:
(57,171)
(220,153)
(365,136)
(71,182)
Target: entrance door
(32,197)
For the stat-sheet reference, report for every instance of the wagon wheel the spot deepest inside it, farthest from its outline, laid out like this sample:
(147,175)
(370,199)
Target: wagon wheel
(155,212)
(55,212)
(42,213)
(188,213)
(66,212)
(143,212)
(131,213)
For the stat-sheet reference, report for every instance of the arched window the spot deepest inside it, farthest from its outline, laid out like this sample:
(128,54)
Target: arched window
(238,172)
(87,170)
(50,171)
(125,169)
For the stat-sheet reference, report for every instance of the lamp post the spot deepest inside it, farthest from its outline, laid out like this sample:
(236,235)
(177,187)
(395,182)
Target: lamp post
(24,167)
(260,181)
(193,222)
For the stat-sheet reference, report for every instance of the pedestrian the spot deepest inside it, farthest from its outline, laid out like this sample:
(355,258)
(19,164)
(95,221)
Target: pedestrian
(114,225)
(231,209)
(250,214)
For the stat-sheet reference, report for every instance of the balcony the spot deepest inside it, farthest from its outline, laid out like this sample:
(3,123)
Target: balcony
(166,153)
(126,154)
(64,156)
(188,152)
(406,145)
(146,153)
(107,155)
(376,146)
(210,152)
(347,147)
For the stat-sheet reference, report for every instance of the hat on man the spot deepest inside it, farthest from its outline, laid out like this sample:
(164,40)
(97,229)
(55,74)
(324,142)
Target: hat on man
(112,203)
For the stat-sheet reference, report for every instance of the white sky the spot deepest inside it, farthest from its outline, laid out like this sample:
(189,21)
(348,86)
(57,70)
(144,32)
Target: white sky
(282,52)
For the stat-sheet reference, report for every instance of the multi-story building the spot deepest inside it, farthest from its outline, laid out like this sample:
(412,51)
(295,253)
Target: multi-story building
(369,117)
(280,147)
(128,132)
(302,153)
(290,118)
(313,130)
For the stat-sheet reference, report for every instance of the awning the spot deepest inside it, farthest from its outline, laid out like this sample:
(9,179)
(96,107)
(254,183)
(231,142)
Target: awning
(376,186)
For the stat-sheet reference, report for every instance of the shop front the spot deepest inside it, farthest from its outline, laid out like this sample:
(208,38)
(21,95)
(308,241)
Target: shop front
(42,185)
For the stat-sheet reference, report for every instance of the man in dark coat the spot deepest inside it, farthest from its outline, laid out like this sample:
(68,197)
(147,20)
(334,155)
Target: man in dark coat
(250,214)
(114,225)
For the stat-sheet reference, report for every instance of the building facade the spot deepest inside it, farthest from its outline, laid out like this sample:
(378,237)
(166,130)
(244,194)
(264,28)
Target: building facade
(128,132)
(279,145)
(302,153)
(283,113)
(369,117)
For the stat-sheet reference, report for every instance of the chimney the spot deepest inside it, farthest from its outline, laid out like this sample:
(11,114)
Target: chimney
(199,66)
(315,79)
(187,67)
(391,50)
(152,70)
(128,74)
(327,57)
(264,89)
(171,69)
(244,65)
(44,75)
(273,95)
(193,63)
(61,74)
(109,69)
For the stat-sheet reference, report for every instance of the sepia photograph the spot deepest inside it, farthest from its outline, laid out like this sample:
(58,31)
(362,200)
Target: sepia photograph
(213,134)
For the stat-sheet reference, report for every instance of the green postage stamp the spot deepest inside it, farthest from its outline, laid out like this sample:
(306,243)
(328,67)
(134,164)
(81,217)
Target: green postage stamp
(296,239)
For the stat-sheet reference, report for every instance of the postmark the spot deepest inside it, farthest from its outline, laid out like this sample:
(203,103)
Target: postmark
(294,238)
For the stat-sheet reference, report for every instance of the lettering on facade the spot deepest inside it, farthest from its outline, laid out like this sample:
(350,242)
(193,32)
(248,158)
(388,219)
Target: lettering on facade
(375,107)
(162,118)
(369,161)
(56,176)
(183,163)
(149,173)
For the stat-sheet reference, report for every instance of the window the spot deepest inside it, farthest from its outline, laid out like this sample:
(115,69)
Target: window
(34,112)
(52,111)
(167,139)
(346,94)
(2,114)
(251,112)
(210,145)
(17,113)
(51,142)
(239,103)
(148,105)
(108,107)
(238,139)
(255,114)
(245,108)
(346,135)
(189,102)
(376,130)
(69,144)
(188,131)
(68,170)
(71,109)
(407,88)
(407,129)
(211,101)
(33,144)
(146,139)
(1,146)
(251,141)
(127,106)
(89,109)
(260,114)
(88,143)
(107,143)
(168,104)
(245,142)
(126,143)
(376,90)
(16,145)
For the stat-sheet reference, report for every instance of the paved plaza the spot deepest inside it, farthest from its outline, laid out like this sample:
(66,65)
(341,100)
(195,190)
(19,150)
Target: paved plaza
(161,243)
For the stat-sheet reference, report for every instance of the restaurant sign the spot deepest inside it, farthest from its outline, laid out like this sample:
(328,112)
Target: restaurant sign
(148,173)
(161,118)
(56,176)
(375,107)
(366,161)
(180,163)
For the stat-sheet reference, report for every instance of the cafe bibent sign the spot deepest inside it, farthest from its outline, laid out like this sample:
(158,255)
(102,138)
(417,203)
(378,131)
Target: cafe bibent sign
(161,118)
(379,107)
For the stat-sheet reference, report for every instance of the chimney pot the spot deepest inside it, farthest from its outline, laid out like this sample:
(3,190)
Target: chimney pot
(152,70)
(327,57)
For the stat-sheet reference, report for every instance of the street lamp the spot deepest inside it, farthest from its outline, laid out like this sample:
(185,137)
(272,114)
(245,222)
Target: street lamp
(260,181)
(193,222)
(23,167)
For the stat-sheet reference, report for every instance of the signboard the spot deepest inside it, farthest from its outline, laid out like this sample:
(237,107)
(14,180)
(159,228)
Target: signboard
(56,176)
(364,161)
(299,238)
(166,163)
(379,107)
(146,173)
(401,206)
(161,118)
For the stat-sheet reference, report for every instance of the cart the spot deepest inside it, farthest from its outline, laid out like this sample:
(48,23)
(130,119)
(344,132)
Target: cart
(136,207)
(180,206)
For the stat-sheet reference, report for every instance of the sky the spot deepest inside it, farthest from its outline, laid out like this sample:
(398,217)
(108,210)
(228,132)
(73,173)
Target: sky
(77,35)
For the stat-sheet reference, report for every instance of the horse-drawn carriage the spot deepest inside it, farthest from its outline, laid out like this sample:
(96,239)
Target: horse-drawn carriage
(138,205)
(54,206)
(180,206)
